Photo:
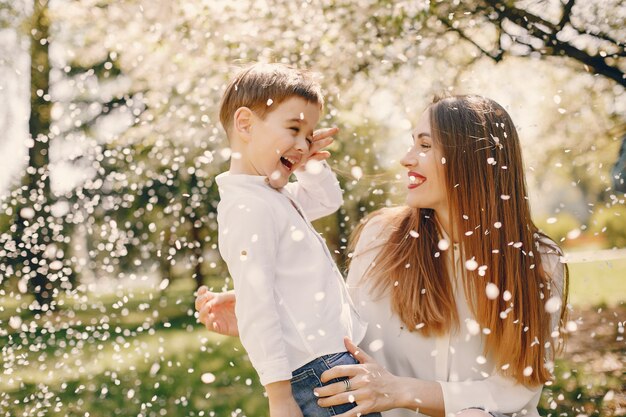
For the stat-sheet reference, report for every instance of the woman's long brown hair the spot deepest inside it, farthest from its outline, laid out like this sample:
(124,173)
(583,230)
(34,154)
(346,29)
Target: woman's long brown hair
(487,196)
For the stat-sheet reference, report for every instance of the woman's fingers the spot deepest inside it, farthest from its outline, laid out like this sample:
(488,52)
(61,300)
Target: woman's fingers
(355,412)
(354,350)
(340,371)
(330,390)
(345,397)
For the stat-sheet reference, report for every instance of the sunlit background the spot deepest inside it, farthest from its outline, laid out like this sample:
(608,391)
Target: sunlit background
(109,144)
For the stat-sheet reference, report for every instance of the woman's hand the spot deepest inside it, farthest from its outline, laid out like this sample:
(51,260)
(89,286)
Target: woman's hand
(372,387)
(217,311)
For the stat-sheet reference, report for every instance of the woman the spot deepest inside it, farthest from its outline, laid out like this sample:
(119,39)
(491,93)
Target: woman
(463,295)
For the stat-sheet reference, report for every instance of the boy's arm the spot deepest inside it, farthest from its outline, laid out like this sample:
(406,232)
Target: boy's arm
(248,239)
(317,190)
(282,402)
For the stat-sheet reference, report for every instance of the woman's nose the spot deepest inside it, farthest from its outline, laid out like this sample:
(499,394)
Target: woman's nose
(409,159)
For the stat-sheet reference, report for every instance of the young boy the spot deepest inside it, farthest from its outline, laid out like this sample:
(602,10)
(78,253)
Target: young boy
(292,309)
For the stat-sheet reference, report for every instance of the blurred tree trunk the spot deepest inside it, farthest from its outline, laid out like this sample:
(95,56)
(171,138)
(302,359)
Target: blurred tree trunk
(33,232)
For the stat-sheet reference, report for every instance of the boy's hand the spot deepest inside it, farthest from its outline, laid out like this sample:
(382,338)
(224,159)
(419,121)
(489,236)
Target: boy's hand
(321,139)
(217,311)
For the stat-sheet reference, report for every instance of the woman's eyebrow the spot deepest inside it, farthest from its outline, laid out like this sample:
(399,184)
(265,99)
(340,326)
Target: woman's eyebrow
(423,134)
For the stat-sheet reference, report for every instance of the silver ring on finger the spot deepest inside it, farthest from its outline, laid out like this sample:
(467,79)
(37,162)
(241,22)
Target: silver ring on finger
(348,384)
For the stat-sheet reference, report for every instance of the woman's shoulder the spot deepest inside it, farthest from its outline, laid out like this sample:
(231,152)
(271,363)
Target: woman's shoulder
(547,248)
(552,258)
(377,227)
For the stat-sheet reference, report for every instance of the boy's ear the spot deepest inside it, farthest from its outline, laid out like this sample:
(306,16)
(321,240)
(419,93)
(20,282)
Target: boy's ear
(242,122)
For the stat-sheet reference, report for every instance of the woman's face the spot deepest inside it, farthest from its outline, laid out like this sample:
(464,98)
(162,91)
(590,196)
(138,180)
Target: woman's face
(424,161)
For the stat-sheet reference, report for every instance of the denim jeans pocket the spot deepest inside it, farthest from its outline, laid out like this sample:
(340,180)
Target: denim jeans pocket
(302,385)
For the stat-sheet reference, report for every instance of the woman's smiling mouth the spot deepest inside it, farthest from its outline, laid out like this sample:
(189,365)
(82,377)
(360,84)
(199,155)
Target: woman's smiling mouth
(415,179)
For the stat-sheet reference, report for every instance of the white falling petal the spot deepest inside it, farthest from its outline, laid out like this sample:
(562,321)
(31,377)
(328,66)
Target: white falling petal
(313,166)
(553,304)
(471,264)
(207,378)
(376,345)
(27,213)
(443,244)
(357,173)
(297,235)
(225,153)
(472,326)
(492,291)
(15,322)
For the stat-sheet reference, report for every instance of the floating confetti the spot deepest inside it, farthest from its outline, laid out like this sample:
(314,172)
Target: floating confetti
(492,291)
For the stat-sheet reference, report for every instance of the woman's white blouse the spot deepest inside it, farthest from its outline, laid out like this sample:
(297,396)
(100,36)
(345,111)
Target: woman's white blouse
(455,360)
(292,302)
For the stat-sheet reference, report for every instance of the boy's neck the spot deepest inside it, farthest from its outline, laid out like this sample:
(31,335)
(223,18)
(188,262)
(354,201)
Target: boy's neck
(239,163)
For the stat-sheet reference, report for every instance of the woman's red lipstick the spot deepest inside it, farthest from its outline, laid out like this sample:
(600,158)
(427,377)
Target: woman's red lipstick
(415,180)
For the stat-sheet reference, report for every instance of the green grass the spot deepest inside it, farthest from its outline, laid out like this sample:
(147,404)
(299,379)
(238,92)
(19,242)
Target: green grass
(140,353)
(598,283)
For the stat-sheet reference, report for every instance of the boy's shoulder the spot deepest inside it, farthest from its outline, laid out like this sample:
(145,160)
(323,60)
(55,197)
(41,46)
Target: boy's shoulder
(246,208)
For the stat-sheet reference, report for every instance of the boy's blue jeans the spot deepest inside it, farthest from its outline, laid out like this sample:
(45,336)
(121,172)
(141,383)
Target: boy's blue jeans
(307,377)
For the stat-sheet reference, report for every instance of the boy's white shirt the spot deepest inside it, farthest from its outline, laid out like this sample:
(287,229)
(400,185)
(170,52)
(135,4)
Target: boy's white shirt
(292,302)
(456,359)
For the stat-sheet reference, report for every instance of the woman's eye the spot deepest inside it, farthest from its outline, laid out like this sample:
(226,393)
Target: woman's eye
(425,145)
(295,129)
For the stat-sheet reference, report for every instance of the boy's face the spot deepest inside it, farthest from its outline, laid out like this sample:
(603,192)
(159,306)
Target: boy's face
(280,143)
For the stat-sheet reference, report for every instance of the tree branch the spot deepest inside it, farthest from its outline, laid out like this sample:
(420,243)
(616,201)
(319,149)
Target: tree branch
(496,57)
(566,15)
(522,18)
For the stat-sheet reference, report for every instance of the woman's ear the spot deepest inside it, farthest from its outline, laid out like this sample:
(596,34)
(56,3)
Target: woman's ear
(242,123)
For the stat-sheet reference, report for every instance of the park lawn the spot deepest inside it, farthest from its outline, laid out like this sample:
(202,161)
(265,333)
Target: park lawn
(598,283)
(140,353)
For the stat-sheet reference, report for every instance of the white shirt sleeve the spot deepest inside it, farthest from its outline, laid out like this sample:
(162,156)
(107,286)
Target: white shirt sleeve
(372,237)
(249,238)
(319,194)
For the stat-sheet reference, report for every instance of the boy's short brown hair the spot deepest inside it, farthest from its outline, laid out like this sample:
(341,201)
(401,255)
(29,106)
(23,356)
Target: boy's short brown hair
(261,87)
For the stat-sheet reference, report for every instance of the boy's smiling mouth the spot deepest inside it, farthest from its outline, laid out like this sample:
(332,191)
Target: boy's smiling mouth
(289,162)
